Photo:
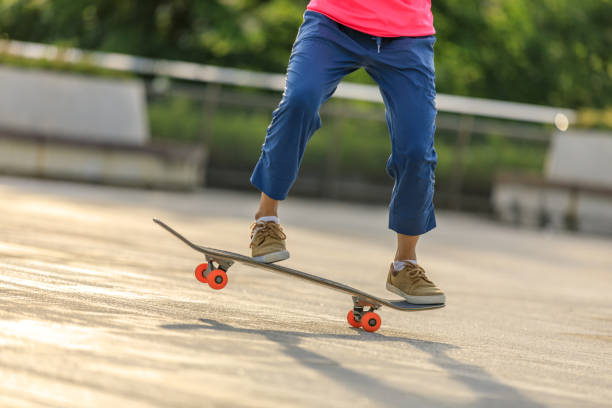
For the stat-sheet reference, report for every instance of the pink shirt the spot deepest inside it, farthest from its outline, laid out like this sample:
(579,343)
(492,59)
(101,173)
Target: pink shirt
(381,18)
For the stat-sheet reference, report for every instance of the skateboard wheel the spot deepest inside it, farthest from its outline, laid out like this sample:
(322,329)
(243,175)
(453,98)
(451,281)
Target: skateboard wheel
(350,317)
(217,279)
(370,321)
(199,272)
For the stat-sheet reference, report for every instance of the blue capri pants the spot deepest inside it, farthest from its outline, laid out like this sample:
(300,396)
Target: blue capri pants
(324,52)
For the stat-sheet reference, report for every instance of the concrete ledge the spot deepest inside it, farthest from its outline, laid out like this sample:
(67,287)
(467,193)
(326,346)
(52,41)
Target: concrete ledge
(539,181)
(575,192)
(594,213)
(76,106)
(536,202)
(581,157)
(149,166)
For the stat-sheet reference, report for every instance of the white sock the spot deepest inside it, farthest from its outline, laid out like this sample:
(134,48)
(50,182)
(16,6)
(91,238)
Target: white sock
(268,218)
(399,265)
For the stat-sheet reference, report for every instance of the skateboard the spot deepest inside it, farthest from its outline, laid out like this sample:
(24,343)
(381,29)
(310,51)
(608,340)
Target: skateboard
(214,273)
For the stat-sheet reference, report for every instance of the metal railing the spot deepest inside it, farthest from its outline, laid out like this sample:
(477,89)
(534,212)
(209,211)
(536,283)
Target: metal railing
(466,116)
(560,117)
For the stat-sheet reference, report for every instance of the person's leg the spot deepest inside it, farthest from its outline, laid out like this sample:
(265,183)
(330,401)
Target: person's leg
(406,247)
(268,207)
(404,72)
(317,64)
(319,60)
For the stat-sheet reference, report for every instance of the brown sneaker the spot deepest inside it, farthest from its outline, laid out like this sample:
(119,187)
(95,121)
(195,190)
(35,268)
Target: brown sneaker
(268,242)
(412,284)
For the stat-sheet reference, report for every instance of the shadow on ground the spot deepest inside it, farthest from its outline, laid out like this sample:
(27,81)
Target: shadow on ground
(488,390)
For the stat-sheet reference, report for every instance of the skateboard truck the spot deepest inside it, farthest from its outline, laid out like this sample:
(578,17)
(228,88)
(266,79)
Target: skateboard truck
(221,264)
(359,304)
(369,320)
(215,276)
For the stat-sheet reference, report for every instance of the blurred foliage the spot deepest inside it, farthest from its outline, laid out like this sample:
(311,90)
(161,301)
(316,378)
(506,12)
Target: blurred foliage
(595,118)
(554,52)
(57,64)
(363,145)
(241,33)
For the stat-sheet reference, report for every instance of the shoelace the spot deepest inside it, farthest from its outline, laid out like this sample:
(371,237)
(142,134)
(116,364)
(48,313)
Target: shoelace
(418,272)
(262,230)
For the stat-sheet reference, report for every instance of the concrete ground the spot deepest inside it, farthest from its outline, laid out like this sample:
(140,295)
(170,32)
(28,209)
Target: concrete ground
(100,308)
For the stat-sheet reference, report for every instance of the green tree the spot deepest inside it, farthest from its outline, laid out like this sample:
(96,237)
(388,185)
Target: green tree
(553,52)
(243,33)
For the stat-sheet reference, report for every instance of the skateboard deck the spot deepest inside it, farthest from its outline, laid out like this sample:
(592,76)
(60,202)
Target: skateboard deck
(214,273)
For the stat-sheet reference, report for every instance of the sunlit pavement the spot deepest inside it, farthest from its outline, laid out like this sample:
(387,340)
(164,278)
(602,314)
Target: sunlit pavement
(100,307)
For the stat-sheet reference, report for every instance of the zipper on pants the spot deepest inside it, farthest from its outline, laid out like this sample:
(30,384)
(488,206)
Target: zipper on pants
(378,42)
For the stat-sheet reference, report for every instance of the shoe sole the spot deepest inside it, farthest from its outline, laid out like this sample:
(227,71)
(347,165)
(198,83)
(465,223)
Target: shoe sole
(272,257)
(417,300)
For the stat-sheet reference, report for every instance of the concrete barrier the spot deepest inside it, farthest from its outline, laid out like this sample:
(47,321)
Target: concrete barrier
(73,106)
(575,192)
(142,166)
(581,157)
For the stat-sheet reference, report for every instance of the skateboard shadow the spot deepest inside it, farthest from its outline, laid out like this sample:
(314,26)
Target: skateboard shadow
(489,391)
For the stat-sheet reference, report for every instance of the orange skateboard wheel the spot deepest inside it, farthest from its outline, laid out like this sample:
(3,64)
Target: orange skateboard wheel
(217,279)
(370,321)
(199,272)
(350,317)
